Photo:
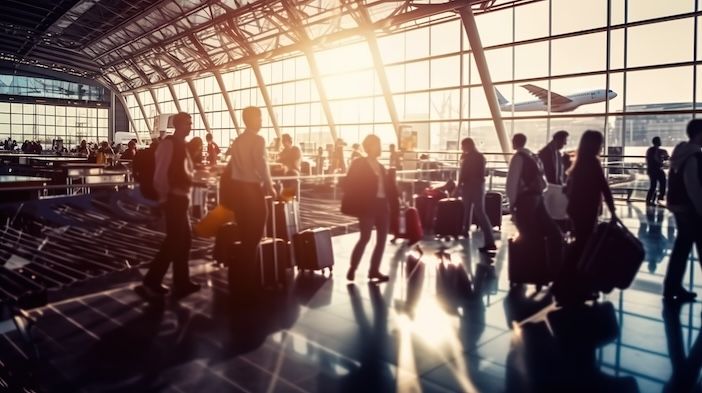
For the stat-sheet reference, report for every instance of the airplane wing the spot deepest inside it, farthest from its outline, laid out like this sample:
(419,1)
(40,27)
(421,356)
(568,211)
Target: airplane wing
(542,94)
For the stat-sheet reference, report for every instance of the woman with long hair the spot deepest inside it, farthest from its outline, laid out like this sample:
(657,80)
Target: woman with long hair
(586,187)
(370,195)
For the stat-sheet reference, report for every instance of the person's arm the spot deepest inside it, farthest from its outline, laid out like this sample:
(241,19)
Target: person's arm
(606,192)
(514,173)
(162,158)
(692,183)
(261,164)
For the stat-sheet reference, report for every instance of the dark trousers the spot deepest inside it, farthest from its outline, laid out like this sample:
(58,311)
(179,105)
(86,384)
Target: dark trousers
(656,178)
(569,284)
(534,225)
(176,247)
(689,231)
(378,217)
(474,202)
(250,212)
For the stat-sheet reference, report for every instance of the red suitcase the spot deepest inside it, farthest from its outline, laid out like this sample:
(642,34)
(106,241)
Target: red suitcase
(407,225)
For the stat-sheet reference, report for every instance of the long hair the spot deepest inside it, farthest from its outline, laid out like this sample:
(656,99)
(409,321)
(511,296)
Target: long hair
(588,149)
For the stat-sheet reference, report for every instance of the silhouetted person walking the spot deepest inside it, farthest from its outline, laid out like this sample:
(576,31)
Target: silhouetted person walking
(525,186)
(685,201)
(552,158)
(369,194)
(586,187)
(252,180)
(172,180)
(655,157)
(471,184)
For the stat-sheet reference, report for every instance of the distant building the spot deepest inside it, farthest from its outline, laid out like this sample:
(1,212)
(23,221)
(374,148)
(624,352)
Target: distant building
(640,128)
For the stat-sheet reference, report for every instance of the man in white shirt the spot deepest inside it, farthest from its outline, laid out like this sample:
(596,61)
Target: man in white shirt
(251,178)
(173,175)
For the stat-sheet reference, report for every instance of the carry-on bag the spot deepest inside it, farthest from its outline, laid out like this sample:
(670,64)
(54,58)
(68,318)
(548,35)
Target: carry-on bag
(612,257)
(210,224)
(313,249)
(426,208)
(287,218)
(407,225)
(528,262)
(227,235)
(449,218)
(493,209)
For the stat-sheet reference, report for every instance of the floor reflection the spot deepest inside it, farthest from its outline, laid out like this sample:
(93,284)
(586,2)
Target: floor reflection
(447,321)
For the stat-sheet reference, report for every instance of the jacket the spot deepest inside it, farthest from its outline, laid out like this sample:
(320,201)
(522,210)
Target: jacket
(472,170)
(361,187)
(552,160)
(685,183)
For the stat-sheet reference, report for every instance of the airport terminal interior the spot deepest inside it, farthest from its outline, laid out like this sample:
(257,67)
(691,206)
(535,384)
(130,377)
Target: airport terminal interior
(90,88)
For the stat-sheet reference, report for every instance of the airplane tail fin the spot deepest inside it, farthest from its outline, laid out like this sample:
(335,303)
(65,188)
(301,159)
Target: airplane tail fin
(500,98)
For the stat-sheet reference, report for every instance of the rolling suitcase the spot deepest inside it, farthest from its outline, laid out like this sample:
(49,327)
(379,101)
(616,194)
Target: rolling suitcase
(273,260)
(528,262)
(612,257)
(449,218)
(426,208)
(313,249)
(493,209)
(407,225)
(287,219)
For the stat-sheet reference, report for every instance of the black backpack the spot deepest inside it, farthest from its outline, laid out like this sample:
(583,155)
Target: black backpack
(143,169)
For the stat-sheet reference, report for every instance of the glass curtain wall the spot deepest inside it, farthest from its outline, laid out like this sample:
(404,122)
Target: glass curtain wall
(44,123)
(644,52)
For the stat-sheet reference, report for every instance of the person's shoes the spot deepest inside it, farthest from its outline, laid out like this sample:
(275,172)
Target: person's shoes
(351,275)
(378,277)
(681,296)
(185,289)
(488,248)
(150,292)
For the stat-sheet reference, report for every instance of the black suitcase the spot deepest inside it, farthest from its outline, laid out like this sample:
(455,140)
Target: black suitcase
(612,257)
(287,219)
(493,209)
(273,260)
(528,262)
(449,217)
(313,249)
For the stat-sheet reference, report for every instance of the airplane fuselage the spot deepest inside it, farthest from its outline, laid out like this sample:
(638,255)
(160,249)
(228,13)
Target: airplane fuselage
(584,98)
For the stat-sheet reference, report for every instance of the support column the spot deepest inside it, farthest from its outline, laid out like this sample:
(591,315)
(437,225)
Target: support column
(199,105)
(122,101)
(372,41)
(143,113)
(323,99)
(227,100)
(481,63)
(266,98)
(175,97)
(155,100)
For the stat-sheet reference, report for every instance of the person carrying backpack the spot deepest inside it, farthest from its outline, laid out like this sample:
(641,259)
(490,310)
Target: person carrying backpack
(685,201)
(172,180)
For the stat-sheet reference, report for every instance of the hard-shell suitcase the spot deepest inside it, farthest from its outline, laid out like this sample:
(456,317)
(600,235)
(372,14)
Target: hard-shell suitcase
(407,225)
(493,208)
(287,219)
(449,217)
(273,259)
(529,263)
(313,249)
(612,257)
(426,208)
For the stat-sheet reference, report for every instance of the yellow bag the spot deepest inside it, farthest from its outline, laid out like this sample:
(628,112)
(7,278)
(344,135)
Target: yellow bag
(288,194)
(209,225)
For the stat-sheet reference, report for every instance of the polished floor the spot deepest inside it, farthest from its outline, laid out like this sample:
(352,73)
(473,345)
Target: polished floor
(418,333)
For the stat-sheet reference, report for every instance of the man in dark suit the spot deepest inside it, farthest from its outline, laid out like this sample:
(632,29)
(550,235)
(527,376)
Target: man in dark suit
(552,158)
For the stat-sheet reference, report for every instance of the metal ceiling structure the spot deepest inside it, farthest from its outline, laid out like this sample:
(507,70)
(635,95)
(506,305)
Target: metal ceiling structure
(130,45)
